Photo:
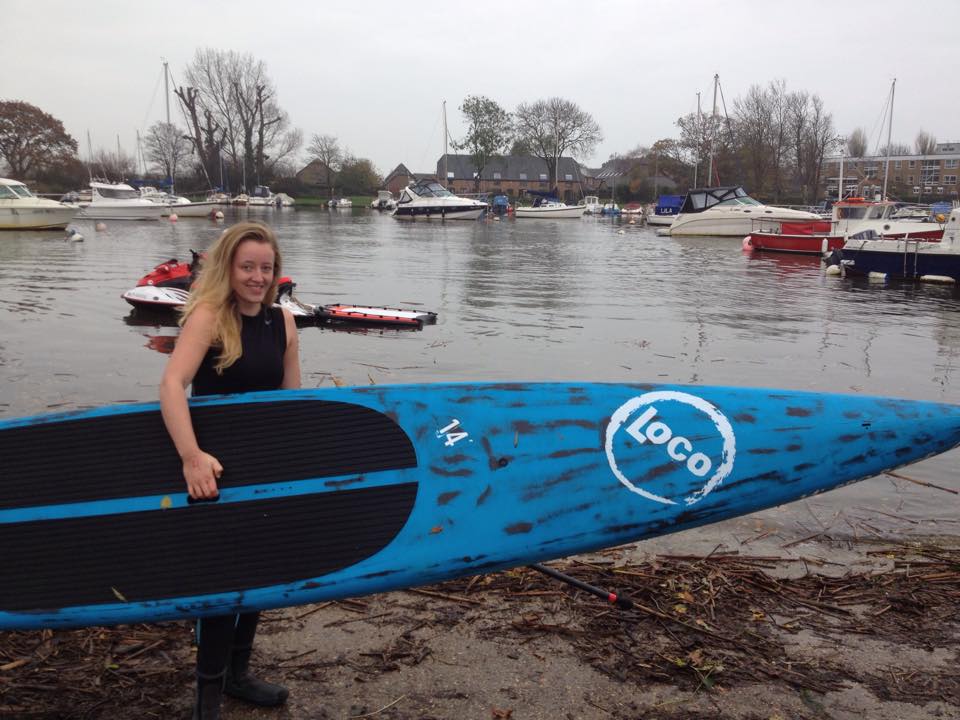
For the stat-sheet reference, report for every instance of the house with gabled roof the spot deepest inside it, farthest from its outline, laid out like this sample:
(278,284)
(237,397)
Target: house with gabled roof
(400,177)
(512,175)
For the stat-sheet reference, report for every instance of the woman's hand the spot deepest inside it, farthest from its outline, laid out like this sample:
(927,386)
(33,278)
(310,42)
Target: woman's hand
(201,471)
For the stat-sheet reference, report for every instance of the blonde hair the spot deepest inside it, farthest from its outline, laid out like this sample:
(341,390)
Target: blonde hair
(213,288)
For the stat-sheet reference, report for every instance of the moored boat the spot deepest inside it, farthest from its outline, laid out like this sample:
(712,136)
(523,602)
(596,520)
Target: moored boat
(22,210)
(119,201)
(546,207)
(729,212)
(906,258)
(428,199)
(665,210)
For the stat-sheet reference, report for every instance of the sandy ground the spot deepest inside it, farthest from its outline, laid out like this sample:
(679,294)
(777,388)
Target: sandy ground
(740,621)
(411,655)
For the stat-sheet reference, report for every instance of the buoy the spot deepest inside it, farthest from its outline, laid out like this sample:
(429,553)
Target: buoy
(173,217)
(833,270)
(218,215)
(101,226)
(621,232)
(747,245)
(73,235)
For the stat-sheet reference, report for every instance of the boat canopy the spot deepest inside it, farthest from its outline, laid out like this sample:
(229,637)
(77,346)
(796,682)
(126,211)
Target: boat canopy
(669,201)
(700,199)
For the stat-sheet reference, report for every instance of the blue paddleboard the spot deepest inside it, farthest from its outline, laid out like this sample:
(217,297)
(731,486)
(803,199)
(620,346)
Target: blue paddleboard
(343,492)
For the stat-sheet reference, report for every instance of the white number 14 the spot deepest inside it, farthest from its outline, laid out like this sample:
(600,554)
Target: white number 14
(452,437)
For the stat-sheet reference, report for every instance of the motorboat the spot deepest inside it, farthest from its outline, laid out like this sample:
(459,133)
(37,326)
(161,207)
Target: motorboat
(905,258)
(610,209)
(283,200)
(856,215)
(592,205)
(119,201)
(20,209)
(666,209)
(852,217)
(340,203)
(178,205)
(383,201)
(261,197)
(633,208)
(731,212)
(546,207)
(428,199)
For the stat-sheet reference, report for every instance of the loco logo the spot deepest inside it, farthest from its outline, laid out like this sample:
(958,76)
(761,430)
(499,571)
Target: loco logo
(672,428)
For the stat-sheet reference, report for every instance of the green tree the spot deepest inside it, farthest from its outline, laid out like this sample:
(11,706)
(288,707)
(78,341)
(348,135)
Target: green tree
(489,132)
(31,140)
(358,176)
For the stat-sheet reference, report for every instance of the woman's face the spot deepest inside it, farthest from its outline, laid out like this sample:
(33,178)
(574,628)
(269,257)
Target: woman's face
(251,274)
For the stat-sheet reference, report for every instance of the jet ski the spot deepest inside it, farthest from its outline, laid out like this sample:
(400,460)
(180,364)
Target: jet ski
(154,297)
(167,287)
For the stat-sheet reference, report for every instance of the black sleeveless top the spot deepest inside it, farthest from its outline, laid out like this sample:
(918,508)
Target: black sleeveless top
(263,340)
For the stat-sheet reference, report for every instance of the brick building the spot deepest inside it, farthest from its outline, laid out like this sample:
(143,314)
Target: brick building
(314,175)
(911,177)
(400,177)
(511,175)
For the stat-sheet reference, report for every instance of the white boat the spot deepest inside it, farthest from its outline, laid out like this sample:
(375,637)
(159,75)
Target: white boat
(340,203)
(177,204)
(592,205)
(905,258)
(729,212)
(428,199)
(119,201)
(857,215)
(283,200)
(261,197)
(383,201)
(546,208)
(22,210)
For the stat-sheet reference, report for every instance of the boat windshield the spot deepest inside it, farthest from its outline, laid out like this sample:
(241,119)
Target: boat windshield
(118,193)
(702,199)
(430,189)
(7,193)
(858,212)
(21,190)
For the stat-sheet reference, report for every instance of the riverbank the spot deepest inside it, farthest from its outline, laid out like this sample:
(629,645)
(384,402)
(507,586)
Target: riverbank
(825,628)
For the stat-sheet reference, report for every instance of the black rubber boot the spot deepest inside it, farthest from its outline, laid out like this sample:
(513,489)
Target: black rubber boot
(209,694)
(242,685)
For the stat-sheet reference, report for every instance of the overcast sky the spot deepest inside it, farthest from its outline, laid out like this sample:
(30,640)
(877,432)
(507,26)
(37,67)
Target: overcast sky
(375,74)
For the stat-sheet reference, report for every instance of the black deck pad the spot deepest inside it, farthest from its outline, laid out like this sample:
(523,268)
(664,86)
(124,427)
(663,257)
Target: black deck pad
(142,556)
(126,455)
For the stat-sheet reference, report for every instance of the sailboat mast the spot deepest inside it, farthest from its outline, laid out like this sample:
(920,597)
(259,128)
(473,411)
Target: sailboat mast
(445,171)
(166,88)
(696,159)
(886,170)
(713,117)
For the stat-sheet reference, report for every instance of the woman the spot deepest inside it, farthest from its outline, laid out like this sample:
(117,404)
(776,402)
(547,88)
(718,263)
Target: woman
(233,340)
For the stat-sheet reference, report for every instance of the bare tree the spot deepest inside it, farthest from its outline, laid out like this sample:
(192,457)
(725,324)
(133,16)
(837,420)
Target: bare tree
(326,149)
(489,132)
(237,100)
(701,135)
(857,143)
(896,148)
(925,143)
(114,166)
(206,135)
(167,147)
(550,128)
(754,122)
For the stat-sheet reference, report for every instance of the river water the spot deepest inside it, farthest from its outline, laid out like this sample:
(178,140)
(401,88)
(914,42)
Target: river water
(588,300)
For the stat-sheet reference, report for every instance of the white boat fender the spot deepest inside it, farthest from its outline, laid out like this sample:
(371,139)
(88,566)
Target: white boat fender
(833,270)
(877,276)
(218,215)
(944,279)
